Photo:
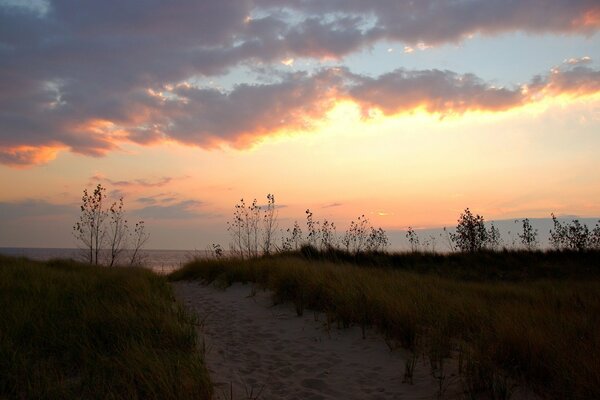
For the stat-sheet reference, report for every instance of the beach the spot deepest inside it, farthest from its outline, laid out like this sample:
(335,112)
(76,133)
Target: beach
(254,349)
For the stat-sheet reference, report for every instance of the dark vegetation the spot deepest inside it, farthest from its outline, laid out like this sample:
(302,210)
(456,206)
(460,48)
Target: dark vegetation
(505,321)
(71,330)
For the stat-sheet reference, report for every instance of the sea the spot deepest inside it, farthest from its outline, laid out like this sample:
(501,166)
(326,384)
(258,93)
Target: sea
(159,261)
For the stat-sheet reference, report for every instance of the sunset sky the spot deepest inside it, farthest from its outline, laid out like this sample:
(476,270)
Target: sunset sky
(404,111)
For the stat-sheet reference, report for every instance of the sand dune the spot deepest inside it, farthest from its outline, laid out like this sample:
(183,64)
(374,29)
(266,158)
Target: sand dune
(257,350)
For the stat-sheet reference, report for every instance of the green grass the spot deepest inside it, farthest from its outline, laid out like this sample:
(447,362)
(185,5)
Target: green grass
(542,333)
(69,330)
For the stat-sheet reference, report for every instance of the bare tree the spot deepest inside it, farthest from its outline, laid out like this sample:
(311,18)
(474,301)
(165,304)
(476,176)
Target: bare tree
(117,231)
(235,228)
(252,230)
(313,229)
(89,229)
(493,238)
(328,235)
(100,231)
(571,236)
(139,239)
(355,238)
(528,235)
(269,224)
(413,239)
(377,240)
(294,239)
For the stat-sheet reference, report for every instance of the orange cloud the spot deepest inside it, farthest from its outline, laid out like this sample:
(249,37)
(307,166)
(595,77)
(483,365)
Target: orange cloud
(245,115)
(24,156)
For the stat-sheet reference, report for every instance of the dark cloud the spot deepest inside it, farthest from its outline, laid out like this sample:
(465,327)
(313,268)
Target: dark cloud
(87,76)
(441,21)
(434,90)
(32,208)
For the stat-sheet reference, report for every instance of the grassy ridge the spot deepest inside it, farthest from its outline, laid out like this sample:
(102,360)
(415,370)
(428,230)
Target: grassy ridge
(70,330)
(541,333)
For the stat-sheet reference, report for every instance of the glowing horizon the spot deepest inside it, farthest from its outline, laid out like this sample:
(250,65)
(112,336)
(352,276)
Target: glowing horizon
(381,116)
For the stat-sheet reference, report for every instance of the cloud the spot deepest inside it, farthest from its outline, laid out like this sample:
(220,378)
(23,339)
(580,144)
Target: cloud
(439,21)
(332,205)
(294,101)
(434,90)
(32,208)
(578,61)
(89,76)
(181,210)
(144,183)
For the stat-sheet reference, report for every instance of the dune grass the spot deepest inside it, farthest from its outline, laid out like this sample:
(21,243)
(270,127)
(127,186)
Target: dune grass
(539,333)
(69,330)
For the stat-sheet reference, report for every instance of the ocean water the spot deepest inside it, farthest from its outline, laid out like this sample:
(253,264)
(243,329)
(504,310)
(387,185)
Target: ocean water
(160,261)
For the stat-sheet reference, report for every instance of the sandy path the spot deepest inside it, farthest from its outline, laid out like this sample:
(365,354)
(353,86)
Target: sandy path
(253,347)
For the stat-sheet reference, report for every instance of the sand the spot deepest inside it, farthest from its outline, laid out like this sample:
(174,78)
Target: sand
(255,350)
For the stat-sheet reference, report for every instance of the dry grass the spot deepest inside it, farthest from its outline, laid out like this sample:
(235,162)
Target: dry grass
(70,330)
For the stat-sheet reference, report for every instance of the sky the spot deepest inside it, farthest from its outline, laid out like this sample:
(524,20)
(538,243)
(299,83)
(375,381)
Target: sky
(404,111)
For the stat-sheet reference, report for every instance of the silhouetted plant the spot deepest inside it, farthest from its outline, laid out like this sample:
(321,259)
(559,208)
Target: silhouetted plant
(528,235)
(429,243)
(117,231)
(269,224)
(573,236)
(89,229)
(377,240)
(236,228)
(355,238)
(328,235)
(578,236)
(216,250)
(293,241)
(252,228)
(140,237)
(558,235)
(471,235)
(493,239)
(100,231)
(313,229)
(595,242)
(449,239)
(413,239)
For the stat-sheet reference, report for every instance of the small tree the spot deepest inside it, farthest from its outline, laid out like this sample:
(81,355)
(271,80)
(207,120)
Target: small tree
(139,239)
(269,224)
(89,230)
(294,239)
(595,240)
(471,235)
(253,228)
(328,235)
(355,238)
(413,239)
(579,236)
(528,235)
(117,231)
(100,231)
(571,236)
(558,235)
(493,240)
(312,227)
(377,240)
